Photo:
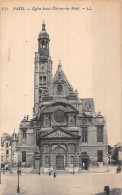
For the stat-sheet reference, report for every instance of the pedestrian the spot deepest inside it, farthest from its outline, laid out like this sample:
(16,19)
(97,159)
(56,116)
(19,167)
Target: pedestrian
(54,174)
(118,169)
(49,173)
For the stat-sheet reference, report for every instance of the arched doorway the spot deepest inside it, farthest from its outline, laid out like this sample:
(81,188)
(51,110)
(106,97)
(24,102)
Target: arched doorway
(59,158)
(84,161)
(36,160)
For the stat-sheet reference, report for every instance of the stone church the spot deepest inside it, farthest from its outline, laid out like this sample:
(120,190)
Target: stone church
(65,132)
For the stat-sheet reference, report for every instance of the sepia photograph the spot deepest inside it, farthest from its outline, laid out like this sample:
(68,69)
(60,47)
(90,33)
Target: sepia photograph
(60,97)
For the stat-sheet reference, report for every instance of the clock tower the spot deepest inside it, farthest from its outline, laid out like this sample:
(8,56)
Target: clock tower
(43,69)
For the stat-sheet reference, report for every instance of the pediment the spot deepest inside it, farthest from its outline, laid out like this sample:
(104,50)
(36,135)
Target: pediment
(60,134)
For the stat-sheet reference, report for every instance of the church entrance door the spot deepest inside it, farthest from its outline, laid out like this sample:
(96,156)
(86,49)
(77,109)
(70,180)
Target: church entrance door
(84,163)
(60,162)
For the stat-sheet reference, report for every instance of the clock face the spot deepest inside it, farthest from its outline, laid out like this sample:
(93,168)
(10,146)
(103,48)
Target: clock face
(43,67)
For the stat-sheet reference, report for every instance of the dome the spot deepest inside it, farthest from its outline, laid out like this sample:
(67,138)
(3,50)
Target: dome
(43,34)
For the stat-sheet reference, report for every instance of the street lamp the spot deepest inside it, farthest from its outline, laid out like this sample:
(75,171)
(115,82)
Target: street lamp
(39,159)
(73,166)
(18,173)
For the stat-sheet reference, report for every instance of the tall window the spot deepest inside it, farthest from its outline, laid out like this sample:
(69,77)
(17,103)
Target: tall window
(7,151)
(44,80)
(42,43)
(24,134)
(71,160)
(84,134)
(47,44)
(100,134)
(23,156)
(40,79)
(99,156)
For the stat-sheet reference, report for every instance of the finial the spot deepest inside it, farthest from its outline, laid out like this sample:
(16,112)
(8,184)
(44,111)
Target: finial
(59,65)
(43,26)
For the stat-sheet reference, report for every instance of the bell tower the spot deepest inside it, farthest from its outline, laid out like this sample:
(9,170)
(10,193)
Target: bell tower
(43,69)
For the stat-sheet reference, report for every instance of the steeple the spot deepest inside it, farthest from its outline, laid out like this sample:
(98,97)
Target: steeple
(43,40)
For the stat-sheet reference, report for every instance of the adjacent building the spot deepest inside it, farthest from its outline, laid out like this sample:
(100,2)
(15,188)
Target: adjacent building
(9,154)
(65,132)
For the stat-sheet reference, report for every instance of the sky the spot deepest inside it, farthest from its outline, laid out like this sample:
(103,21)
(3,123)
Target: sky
(88,43)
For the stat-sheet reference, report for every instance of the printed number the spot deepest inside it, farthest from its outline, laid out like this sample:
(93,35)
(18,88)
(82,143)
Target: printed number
(4,8)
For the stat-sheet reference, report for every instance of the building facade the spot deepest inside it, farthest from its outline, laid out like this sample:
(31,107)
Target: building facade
(65,132)
(9,154)
(5,151)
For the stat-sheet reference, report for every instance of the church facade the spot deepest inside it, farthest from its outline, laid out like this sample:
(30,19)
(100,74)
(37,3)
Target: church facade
(65,132)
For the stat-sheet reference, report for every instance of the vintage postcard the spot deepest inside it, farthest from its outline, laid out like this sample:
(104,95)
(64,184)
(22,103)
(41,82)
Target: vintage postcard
(60,97)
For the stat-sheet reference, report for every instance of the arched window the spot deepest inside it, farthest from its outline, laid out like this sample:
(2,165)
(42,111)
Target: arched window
(42,43)
(24,134)
(100,134)
(84,134)
(23,156)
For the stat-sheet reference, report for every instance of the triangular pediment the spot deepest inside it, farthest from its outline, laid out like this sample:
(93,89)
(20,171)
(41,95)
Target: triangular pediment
(60,134)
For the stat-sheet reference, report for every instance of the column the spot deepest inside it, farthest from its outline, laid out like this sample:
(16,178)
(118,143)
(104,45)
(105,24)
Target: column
(50,157)
(42,158)
(76,158)
(67,156)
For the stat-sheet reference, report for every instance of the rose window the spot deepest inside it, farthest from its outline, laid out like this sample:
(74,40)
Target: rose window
(59,116)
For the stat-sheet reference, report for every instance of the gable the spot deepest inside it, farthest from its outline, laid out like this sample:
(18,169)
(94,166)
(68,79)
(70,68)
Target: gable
(60,85)
(60,77)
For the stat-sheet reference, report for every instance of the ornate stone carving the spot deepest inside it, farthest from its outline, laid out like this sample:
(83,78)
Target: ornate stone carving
(58,133)
(59,151)
(47,121)
(71,120)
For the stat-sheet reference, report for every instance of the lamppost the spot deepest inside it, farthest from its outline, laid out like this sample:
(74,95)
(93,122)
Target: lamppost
(73,166)
(39,159)
(18,173)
